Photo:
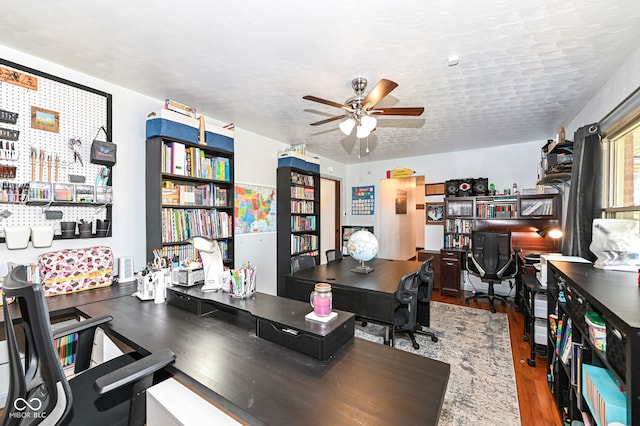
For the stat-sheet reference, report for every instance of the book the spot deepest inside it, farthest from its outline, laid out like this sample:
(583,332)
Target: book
(177,158)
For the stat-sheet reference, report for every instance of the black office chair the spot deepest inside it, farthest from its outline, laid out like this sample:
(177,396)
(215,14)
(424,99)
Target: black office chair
(405,316)
(491,258)
(425,290)
(303,261)
(333,254)
(110,393)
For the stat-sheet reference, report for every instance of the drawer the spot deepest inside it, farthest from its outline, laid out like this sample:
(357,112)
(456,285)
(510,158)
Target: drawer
(540,332)
(540,306)
(183,301)
(320,347)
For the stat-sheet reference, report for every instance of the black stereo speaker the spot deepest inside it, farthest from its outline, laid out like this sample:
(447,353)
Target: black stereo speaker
(451,188)
(481,186)
(465,187)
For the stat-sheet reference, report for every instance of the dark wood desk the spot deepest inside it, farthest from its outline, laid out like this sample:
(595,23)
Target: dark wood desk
(220,356)
(369,296)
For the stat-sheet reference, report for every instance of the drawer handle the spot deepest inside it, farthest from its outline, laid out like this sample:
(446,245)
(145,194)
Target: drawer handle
(290,331)
(616,333)
(450,263)
(183,297)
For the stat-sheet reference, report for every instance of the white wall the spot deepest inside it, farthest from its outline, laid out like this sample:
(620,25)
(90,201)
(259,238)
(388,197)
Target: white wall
(501,165)
(622,83)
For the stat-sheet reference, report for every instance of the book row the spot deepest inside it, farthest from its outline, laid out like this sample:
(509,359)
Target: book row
(177,159)
(303,223)
(300,179)
(456,241)
(302,193)
(458,225)
(490,211)
(188,253)
(302,207)
(303,243)
(179,225)
(194,195)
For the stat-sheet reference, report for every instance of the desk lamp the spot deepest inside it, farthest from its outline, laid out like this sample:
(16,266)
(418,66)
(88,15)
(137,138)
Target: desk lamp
(552,232)
(211,257)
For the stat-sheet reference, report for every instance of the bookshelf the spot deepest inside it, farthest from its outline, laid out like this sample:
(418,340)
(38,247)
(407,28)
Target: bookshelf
(298,217)
(587,374)
(464,214)
(347,231)
(189,192)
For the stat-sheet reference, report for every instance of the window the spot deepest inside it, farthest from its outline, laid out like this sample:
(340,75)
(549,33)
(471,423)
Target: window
(622,190)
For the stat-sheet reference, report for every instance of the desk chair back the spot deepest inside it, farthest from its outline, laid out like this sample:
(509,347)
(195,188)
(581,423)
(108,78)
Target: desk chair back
(407,298)
(302,262)
(425,276)
(333,254)
(491,255)
(38,386)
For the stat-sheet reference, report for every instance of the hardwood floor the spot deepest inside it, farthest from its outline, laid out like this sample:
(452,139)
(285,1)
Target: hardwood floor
(537,407)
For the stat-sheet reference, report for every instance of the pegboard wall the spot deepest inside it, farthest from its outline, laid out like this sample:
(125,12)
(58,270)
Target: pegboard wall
(81,112)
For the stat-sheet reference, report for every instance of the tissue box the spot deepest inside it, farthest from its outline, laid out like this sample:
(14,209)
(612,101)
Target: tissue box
(73,270)
(177,126)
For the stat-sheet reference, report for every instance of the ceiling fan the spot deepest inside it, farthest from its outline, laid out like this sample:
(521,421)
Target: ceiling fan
(360,110)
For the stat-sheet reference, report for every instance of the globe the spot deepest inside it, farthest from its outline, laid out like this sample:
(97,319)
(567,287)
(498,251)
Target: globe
(362,246)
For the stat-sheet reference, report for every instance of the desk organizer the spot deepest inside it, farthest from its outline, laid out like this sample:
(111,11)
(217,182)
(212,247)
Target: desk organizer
(62,192)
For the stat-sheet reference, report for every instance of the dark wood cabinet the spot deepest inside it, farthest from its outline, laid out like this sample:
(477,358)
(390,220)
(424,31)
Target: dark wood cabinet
(435,264)
(451,264)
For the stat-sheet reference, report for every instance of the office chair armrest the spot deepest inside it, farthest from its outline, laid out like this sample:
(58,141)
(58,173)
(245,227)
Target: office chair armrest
(80,326)
(135,371)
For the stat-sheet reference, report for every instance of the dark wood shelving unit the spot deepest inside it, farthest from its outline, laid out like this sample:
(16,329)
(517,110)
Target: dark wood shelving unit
(155,176)
(289,181)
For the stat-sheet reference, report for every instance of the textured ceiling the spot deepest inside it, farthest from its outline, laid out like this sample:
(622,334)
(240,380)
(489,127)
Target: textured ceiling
(526,67)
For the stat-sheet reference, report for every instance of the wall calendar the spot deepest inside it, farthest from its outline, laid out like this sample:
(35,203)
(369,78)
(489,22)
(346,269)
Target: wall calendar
(362,200)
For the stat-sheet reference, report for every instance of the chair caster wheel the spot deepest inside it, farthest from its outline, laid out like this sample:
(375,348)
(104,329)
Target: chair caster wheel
(434,339)
(531,362)
(416,346)
(364,323)
(493,310)
(466,301)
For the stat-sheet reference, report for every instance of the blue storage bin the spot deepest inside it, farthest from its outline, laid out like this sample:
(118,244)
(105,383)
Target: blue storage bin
(298,163)
(169,124)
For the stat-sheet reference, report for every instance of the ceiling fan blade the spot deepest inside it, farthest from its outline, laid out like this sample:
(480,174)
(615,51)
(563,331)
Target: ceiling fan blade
(328,120)
(399,111)
(324,101)
(382,89)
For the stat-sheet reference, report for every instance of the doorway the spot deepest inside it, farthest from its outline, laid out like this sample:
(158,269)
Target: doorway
(329,216)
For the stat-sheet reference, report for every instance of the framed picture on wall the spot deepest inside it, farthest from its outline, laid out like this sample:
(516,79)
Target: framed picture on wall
(435,213)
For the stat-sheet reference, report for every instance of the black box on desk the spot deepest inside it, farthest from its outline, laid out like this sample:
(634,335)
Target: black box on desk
(316,344)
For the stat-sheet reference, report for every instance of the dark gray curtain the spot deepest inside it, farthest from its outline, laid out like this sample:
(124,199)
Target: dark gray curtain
(585,194)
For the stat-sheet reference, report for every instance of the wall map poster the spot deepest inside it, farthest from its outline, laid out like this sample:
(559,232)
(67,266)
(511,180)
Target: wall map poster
(362,200)
(255,209)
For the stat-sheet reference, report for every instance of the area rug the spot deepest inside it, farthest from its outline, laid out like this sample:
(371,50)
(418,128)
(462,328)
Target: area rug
(475,342)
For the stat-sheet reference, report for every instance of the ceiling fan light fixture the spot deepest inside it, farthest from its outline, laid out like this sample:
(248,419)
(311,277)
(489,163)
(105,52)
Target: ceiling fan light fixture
(368,122)
(362,132)
(347,126)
